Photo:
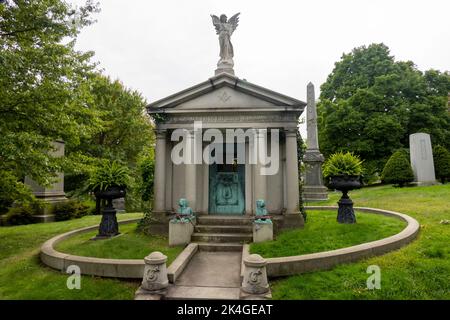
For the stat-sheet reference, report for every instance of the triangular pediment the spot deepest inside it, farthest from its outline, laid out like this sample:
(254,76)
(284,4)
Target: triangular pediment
(225,91)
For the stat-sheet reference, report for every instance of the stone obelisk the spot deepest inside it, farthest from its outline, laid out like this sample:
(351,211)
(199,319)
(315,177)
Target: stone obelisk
(314,189)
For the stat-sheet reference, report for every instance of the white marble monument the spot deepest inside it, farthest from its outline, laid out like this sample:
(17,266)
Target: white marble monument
(421,155)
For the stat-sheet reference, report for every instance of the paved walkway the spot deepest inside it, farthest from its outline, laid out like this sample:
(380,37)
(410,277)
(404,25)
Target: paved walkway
(209,275)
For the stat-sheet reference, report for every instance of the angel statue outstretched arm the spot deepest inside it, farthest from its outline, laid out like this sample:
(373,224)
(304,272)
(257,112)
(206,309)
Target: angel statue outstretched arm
(225,28)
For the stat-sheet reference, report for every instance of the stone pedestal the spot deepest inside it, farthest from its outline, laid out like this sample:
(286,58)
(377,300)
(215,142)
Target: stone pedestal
(108,227)
(155,272)
(314,189)
(262,231)
(346,214)
(225,66)
(53,193)
(421,155)
(255,284)
(180,232)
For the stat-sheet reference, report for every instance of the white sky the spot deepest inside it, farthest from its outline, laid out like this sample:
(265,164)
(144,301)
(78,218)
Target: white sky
(162,47)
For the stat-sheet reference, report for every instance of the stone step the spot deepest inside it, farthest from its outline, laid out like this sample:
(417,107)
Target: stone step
(224,220)
(202,293)
(222,237)
(217,247)
(206,228)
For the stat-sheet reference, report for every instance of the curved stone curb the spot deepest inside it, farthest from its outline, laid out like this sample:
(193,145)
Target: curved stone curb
(286,266)
(115,268)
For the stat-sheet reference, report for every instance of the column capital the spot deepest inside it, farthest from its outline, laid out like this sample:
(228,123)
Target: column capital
(291,132)
(160,133)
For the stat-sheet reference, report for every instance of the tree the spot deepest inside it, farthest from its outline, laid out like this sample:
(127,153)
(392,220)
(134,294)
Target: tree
(43,87)
(441,157)
(125,132)
(398,169)
(370,104)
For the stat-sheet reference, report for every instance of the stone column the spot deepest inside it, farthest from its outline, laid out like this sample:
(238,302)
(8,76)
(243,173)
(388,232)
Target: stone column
(260,180)
(160,172)
(292,172)
(292,217)
(314,188)
(190,189)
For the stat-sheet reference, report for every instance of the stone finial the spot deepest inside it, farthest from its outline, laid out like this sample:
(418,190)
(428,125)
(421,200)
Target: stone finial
(255,275)
(155,272)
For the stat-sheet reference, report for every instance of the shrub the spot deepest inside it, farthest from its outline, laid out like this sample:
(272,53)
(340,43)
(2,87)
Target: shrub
(441,158)
(398,170)
(12,191)
(71,209)
(341,163)
(20,215)
(107,175)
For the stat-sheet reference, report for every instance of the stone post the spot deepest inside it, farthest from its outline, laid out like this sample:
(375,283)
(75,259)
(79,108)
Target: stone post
(292,218)
(255,281)
(421,155)
(260,179)
(155,272)
(160,172)
(155,281)
(314,189)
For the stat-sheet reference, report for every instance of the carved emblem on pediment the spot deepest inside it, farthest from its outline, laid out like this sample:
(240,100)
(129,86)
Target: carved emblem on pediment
(224,96)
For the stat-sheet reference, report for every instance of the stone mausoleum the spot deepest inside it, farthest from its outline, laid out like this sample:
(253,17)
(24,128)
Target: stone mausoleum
(227,102)
(263,122)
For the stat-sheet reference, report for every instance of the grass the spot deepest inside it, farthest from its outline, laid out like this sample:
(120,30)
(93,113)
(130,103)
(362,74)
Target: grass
(22,276)
(129,245)
(323,233)
(420,270)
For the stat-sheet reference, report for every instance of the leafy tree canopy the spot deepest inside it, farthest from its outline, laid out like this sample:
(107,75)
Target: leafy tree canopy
(43,85)
(49,91)
(370,104)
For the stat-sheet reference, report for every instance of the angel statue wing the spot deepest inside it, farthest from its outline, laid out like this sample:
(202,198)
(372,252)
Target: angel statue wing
(216,22)
(234,20)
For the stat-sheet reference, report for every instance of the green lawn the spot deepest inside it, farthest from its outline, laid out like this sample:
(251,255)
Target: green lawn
(129,245)
(420,270)
(322,233)
(22,276)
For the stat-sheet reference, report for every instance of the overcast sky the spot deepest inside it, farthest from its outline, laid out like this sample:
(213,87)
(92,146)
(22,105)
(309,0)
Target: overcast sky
(161,47)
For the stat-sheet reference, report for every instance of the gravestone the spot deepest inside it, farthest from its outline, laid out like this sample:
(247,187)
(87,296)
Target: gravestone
(421,156)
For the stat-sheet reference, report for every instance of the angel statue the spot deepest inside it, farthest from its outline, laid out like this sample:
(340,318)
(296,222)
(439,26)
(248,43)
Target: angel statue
(225,28)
